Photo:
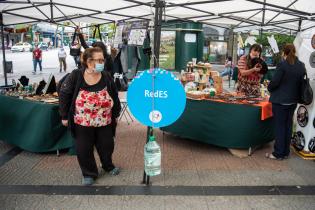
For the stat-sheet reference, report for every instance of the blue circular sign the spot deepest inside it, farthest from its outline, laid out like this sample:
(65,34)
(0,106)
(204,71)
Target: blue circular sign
(156,98)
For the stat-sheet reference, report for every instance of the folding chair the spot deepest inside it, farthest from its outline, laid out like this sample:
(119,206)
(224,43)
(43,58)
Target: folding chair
(124,111)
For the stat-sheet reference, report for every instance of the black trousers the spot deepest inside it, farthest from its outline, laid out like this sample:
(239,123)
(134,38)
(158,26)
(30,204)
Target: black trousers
(283,119)
(85,140)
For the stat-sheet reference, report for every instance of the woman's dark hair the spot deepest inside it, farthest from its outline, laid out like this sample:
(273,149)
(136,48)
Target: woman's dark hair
(255,47)
(229,58)
(88,53)
(289,51)
(102,46)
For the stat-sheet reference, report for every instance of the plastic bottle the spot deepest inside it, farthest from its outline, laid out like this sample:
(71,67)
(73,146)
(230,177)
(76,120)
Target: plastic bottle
(152,157)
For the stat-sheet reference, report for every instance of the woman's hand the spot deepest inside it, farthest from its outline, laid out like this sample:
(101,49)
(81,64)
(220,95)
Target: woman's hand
(64,122)
(78,30)
(257,67)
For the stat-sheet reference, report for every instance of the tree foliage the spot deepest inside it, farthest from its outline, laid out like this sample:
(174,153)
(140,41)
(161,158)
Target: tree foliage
(281,39)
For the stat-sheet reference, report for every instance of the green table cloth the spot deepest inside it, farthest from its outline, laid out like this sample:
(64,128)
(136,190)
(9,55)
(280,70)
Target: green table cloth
(222,124)
(32,126)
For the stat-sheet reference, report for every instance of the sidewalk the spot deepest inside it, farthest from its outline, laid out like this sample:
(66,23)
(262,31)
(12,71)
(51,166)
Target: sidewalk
(33,179)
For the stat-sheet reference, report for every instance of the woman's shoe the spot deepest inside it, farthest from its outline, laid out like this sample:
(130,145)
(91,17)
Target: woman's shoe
(271,156)
(115,171)
(87,181)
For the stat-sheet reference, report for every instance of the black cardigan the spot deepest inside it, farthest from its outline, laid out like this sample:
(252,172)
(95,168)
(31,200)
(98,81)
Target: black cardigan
(69,92)
(285,86)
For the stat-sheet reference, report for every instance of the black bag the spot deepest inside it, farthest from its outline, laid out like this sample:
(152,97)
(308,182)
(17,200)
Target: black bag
(73,50)
(306,96)
(121,82)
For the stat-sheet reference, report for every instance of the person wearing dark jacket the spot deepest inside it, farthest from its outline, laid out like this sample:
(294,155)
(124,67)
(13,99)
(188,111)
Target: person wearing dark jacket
(108,65)
(90,106)
(285,89)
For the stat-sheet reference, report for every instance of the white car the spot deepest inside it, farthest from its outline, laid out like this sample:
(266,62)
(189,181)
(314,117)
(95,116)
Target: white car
(21,47)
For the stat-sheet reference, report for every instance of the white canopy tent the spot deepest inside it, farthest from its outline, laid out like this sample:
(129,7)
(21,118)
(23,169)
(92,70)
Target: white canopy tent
(282,16)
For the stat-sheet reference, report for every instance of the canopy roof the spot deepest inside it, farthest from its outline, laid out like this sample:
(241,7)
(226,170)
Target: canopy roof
(240,15)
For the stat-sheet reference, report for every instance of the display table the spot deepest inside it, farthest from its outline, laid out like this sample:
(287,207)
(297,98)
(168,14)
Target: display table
(223,124)
(32,126)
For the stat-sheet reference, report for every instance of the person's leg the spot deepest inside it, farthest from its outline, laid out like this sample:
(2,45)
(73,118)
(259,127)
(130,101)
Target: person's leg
(224,72)
(280,118)
(34,65)
(84,144)
(75,60)
(64,64)
(60,64)
(40,65)
(105,146)
(289,124)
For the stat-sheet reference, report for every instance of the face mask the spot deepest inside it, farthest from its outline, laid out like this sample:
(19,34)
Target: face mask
(99,67)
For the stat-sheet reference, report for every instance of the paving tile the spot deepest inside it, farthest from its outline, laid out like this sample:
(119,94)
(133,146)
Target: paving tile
(186,202)
(40,202)
(144,202)
(181,177)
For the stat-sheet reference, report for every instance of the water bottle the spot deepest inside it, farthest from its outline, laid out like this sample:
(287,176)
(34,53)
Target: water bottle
(152,157)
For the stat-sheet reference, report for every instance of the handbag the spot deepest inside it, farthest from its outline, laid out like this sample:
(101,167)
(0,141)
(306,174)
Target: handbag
(306,96)
(121,82)
(74,51)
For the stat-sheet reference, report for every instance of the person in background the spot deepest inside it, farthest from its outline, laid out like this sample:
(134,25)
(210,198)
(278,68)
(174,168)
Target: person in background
(89,105)
(285,89)
(108,65)
(37,58)
(249,76)
(62,55)
(227,67)
(77,59)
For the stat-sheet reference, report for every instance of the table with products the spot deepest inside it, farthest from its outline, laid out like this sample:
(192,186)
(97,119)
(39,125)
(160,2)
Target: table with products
(229,125)
(32,125)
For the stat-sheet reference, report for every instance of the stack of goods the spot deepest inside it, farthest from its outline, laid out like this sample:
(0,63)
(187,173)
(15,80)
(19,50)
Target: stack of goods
(218,84)
(237,98)
(42,92)
(47,98)
(195,94)
(205,81)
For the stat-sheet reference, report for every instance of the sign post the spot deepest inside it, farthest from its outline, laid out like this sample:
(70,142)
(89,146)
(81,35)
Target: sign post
(156,98)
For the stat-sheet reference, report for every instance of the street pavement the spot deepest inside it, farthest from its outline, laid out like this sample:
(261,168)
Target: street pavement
(23,65)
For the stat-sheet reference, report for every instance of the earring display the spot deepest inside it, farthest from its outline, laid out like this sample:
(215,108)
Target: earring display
(298,141)
(302,116)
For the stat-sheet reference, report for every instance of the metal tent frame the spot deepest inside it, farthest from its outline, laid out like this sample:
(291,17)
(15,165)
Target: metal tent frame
(160,6)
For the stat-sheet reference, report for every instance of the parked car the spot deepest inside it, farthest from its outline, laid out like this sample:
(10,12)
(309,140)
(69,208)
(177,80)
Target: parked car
(21,47)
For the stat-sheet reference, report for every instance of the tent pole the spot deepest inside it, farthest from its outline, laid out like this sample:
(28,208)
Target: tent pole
(3,51)
(263,20)
(51,11)
(300,24)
